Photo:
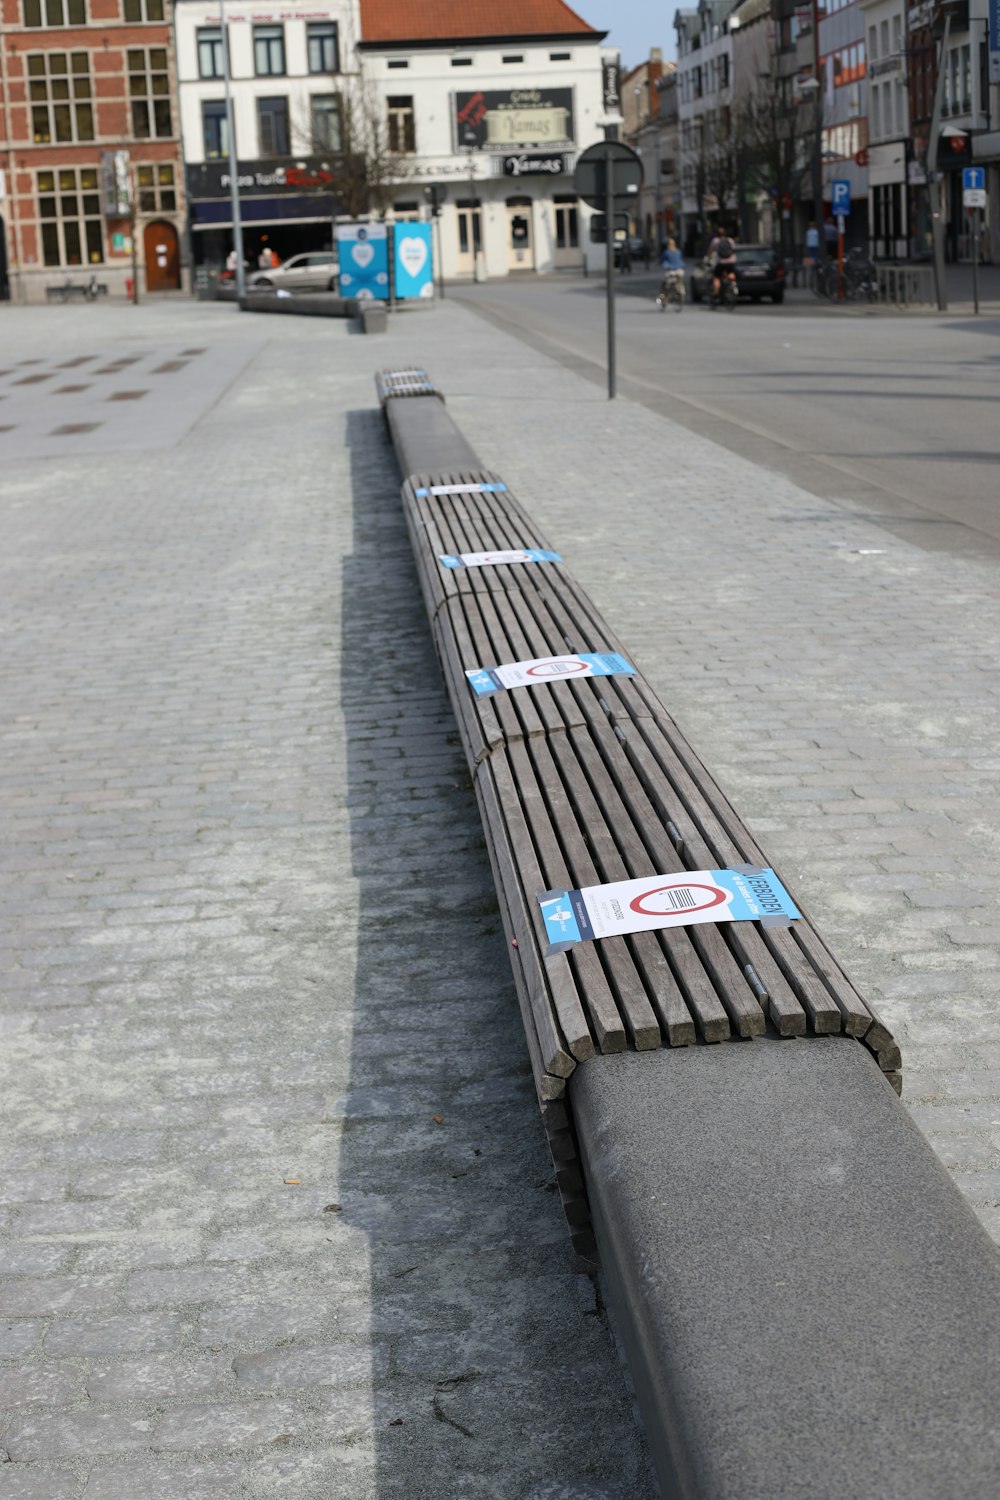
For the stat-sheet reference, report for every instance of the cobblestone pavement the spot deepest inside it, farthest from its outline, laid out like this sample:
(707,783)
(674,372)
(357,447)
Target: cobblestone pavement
(249,910)
(277,1218)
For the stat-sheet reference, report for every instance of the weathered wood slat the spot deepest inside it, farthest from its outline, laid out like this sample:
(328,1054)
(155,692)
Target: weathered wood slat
(586,967)
(507,826)
(629,1000)
(563,1035)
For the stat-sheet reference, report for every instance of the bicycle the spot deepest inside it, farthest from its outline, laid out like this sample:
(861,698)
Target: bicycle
(728,294)
(671,293)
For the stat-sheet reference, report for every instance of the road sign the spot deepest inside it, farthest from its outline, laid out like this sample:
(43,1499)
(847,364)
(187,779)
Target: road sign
(973,179)
(974,198)
(841,224)
(589,177)
(840,196)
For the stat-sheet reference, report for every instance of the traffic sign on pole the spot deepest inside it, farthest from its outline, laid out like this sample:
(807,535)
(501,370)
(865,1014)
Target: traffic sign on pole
(589,178)
(840,196)
(973,178)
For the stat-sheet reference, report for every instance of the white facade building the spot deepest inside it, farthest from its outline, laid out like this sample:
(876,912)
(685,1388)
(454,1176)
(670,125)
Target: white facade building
(490,126)
(290,69)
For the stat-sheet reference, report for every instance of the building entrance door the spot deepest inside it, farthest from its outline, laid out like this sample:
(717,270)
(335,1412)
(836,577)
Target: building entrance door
(567,251)
(470,241)
(520,242)
(163,257)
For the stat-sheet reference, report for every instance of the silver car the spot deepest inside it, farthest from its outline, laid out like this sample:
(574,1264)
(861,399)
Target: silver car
(315,272)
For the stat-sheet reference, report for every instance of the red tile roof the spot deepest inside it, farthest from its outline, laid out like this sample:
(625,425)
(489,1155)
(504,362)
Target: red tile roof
(463,20)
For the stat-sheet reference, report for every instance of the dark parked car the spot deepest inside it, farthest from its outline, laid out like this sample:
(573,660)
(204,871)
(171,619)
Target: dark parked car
(760,272)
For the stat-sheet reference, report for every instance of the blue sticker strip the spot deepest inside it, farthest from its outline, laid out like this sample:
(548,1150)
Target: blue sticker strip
(457,560)
(484,682)
(487,680)
(461,489)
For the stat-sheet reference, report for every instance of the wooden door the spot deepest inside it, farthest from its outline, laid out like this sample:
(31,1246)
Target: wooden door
(163,257)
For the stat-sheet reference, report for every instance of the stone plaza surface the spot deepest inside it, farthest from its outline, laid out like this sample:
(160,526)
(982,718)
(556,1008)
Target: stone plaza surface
(277,1217)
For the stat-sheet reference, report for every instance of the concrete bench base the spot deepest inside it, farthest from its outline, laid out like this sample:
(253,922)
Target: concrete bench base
(303,305)
(809,1307)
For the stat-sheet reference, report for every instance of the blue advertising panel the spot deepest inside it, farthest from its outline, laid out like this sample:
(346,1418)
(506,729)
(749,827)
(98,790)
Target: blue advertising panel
(364,261)
(413,262)
(840,196)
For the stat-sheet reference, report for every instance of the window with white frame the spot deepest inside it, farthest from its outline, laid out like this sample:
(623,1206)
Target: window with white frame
(269,51)
(149,92)
(60,93)
(326,130)
(69,209)
(322,47)
(157,187)
(211,62)
(52,13)
(400,122)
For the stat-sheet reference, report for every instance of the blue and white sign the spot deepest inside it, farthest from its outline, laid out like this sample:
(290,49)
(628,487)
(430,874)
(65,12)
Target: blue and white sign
(413,261)
(543,669)
(495,559)
(461,489)
(683,899)
(840,196)
(973,179)
(364,261)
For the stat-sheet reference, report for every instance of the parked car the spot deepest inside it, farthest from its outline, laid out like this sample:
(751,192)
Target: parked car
(760,272)
(315,272)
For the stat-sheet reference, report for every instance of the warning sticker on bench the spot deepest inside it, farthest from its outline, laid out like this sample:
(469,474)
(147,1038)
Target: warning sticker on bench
(495,559)
(486,680)
(461,489)
(682,899)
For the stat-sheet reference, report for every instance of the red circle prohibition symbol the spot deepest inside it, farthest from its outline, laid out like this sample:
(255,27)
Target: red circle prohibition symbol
(716,898)
(562,668)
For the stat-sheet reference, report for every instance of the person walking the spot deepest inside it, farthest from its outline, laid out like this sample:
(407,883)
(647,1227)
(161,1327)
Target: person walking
(811,255)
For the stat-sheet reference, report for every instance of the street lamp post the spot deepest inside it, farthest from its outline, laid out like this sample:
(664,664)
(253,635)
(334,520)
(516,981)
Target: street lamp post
(234,183)
(469,137)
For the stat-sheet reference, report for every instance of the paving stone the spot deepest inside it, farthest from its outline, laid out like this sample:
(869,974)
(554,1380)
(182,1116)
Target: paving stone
(82,1434)
(232,1425)
(119,1335)
(293,1369)
(26,1482)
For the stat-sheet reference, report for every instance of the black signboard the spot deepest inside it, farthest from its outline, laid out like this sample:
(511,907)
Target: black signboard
(611,85)
(499,119)
(525,165)
(279,175)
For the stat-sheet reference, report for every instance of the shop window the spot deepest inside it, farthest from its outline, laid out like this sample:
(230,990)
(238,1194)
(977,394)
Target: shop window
(157,188)
(211,59)
(149,92)
(55,12)
(215,128)
(272,120)
(142,10)
(325,119)
(401,129)
(60,94)
(69,208)
(269,51)
(322,47)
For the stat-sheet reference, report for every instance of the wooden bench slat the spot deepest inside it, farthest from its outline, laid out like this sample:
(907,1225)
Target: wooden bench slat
(628,1001)
(508,827)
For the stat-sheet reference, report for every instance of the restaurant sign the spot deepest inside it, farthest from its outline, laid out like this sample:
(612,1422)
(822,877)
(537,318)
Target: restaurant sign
(212,179)
(497,119)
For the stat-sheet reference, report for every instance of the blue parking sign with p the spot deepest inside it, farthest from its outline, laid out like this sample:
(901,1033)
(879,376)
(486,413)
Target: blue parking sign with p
(840,196)
(973,179)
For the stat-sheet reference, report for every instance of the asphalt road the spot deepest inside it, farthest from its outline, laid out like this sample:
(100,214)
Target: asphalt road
(894,416)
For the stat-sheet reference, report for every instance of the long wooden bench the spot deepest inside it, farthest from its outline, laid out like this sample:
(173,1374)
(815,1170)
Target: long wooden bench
(585,782)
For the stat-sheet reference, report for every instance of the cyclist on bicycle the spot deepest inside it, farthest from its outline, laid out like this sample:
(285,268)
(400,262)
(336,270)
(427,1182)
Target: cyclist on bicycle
(723,250)
(672,266)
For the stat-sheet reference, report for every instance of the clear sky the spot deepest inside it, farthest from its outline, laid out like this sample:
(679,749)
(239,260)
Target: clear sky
(633,26)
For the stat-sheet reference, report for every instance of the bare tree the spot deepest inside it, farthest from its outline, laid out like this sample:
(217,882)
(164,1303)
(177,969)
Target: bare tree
(367,161)
(773,158)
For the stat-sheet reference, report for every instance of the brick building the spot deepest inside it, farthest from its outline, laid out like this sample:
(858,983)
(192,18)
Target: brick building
(88,125)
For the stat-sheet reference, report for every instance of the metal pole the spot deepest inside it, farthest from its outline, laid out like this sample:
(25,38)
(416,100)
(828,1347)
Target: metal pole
(234,182)
(609,266)
(132,205)
(975,259)
(934,177)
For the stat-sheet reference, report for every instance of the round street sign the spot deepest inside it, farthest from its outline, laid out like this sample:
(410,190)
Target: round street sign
(589,177)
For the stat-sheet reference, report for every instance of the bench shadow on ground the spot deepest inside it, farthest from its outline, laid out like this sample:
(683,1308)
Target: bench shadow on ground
(494,1371)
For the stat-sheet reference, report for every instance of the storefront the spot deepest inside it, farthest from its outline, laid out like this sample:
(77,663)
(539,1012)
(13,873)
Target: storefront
(286,204)
(887,201)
